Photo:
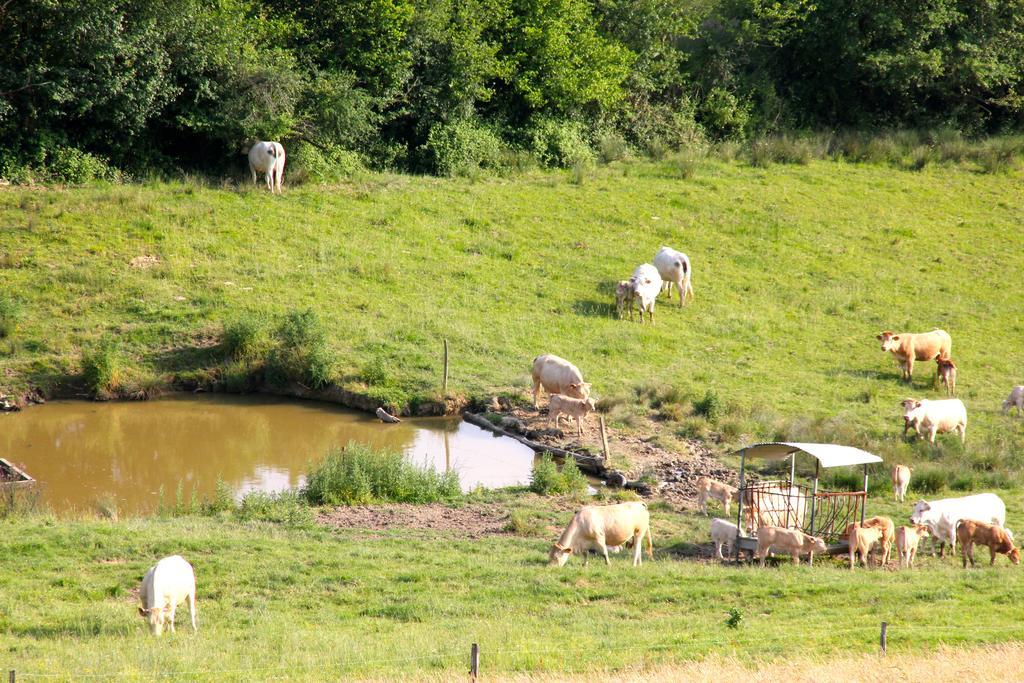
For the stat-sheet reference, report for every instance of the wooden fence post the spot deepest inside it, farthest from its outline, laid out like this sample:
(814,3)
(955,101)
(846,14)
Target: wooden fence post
(885,627)
(604,441)
(474,662)
(11,677)
(444,386)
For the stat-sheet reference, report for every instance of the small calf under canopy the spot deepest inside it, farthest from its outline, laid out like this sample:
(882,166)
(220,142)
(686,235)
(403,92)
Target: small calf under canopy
(788,504)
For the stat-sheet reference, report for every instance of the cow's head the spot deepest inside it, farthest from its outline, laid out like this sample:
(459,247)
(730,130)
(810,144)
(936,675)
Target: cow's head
(909,406)
(815,545)
(1014,555)
(155,617)
(591,405)
(579,390)
(890,341)
(559,555)
(945,364)
(920,507)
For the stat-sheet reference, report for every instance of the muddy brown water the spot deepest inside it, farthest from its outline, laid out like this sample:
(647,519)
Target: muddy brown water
(83,452)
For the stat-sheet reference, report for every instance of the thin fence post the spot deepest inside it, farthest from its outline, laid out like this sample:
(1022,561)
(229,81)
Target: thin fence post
(474,662)
(11,676)
(604,441)
(444,385)
(882,642)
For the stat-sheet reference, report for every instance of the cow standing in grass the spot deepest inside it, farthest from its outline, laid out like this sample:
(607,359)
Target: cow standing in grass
(267,158)
(167,584)
(674,268)
(600,527)
(908,347)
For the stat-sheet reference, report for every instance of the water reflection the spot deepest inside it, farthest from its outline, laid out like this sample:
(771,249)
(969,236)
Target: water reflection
(83,451)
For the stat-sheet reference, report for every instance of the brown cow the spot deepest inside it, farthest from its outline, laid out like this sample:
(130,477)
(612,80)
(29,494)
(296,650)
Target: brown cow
(908,347)
(860,540)
(969,532)
(887,531)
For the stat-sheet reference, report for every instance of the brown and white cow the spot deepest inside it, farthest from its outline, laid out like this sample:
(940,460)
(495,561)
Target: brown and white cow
(908,347)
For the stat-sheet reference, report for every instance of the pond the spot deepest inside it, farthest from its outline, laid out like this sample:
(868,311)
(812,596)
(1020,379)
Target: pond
(83,452)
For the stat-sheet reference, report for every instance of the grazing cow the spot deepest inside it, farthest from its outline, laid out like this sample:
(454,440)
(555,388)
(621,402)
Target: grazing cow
(791,541)
(166,585)
(646,286)
(861,539)
(709,488)
(558,376)
(946,369)
(578,408)
(907,540)
(599,527)
(908,347)
(942,516)
(970,532)
(1015,399)
(937,417)
(267,158)
(900,482)
(723,533)
(624,298)
(674,268)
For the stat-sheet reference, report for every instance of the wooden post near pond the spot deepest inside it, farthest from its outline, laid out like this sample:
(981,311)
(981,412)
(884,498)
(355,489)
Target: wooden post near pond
(882,640)
(474,662)
(604,440)
(444,385)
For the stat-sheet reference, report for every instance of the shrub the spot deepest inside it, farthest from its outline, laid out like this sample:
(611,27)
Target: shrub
(10,311)
(376,372)
(927,480)
(760,154)
(103,367)
(685,164)
(611,147)
(560,143)
(324,164)
(723,114)
(301,353)
(359,475)
(692,428)
(223,499)
(546,479)
(287,508)
(709,407)
(522,524)
(458,147)
(919,158)
(244,338)
(72,165)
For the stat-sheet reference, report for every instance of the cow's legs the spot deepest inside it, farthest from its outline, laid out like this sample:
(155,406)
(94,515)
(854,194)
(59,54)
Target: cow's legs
(536,393)
(992,556)
(638,542)
(725,504)
(174,610)
(681,286)
(192,609)
(579,426)
(702,502)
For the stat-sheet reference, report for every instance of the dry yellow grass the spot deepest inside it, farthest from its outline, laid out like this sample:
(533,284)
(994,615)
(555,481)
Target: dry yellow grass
(991,664)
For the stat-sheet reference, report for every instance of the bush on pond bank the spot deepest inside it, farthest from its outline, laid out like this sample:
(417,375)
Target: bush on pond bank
(359,475)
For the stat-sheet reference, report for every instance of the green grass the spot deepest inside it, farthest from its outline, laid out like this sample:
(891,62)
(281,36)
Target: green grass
(312,604)
(797,268)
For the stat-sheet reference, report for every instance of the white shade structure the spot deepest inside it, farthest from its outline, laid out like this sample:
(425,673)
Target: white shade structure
(827,454)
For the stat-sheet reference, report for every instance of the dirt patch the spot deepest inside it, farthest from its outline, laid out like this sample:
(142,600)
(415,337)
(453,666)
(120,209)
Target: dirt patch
(676,472)
(144,262)
(470,521)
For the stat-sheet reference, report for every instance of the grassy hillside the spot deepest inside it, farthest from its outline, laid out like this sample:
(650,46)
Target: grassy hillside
(312,604)
(797,268)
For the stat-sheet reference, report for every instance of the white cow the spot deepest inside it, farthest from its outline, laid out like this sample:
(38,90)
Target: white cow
(557,376)
(601,527)
(723,533)
(167,584)
(1015,400)
(577,408)
(268,158)
(936,417)
(942,516)
(674,268)
(646,286)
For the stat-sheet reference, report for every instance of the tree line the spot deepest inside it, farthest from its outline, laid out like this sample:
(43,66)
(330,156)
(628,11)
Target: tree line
(90,86)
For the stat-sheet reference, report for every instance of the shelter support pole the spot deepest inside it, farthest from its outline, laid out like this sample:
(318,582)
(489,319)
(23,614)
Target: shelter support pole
(739,506)
(789,493)
(864,500)
(814,500)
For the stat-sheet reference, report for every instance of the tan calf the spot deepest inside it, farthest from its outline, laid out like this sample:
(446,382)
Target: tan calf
(578,408)
(624,298)
(907,540)
(970,532)
(790,541)
(709,488)
(861,540)
(900,482)
(947,374)
(908,347)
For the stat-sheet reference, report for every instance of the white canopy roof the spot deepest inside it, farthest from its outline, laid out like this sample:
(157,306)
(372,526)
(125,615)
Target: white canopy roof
(829,455)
